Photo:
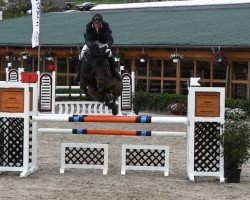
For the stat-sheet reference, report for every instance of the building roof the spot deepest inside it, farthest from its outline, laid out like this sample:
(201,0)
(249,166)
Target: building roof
(188,27)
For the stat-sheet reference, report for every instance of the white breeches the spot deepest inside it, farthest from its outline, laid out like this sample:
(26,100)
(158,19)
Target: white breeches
(86,48)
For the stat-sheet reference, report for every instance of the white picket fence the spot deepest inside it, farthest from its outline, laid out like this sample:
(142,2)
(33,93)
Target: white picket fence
(84,107)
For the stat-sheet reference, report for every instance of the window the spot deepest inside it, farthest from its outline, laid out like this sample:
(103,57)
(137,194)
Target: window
(155,68)
(184,87)
(204,84)
(219,85)
(187,68)
(61,65)
(127,65)
(73,64)
(141,85)
(239,90)
(169,87)
(203,69)
(16,62)
(239,70)
(219,71)
(155,86)
(61,80)
(169,68)
(36,64)
(141,68)
(27,64)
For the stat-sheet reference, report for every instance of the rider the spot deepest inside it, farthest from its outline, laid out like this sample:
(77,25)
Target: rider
(98,31)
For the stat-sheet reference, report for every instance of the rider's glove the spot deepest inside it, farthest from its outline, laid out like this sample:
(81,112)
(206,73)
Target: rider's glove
(106,46)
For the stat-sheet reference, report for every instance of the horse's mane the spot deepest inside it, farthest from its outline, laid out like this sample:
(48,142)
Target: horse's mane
(96,52)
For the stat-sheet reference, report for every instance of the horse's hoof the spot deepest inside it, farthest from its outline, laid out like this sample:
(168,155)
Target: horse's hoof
(115,109)
(100,99)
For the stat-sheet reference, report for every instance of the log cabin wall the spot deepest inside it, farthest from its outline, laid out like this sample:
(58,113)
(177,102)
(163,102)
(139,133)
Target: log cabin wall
(158,74)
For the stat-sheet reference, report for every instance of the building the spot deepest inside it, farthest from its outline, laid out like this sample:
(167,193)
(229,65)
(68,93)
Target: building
(213,40)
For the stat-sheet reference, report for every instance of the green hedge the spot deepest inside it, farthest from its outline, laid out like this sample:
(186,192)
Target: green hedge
(238,103)
(155,101)
(143,101)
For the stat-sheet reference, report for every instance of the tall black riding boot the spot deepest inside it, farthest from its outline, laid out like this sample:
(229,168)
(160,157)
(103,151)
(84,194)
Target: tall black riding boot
(77,77)
(83,86)
(113,69)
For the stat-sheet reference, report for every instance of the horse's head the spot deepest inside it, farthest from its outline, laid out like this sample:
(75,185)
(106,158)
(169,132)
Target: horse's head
(99,64)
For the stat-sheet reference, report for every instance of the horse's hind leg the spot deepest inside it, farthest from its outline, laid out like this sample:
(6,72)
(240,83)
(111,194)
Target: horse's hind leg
(97,95)
(117,89)
(114,107)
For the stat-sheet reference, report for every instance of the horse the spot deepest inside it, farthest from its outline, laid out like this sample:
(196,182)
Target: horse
(97,79)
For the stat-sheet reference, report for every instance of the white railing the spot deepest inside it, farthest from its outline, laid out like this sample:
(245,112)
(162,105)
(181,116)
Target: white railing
(81,107)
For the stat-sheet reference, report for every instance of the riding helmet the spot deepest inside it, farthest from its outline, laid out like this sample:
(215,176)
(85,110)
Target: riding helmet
(97,18)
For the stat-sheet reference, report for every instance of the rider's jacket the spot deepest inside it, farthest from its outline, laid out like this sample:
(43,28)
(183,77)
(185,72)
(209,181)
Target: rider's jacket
(104,34)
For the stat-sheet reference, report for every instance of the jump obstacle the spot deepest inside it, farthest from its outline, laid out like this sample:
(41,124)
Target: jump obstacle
(47,92)
(205,118)
(112,119)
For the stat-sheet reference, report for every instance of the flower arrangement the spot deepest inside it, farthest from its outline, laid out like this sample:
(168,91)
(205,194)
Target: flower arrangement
(71,56)
(49,56)
(235,114)
(51,67)
(25,55)
(235,140)
(219,56)
(176,57)
(143,57)
(118,56)
(177,109)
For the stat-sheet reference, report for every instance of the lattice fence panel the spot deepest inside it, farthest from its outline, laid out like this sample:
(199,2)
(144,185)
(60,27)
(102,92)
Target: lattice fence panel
(207,147)
(81,155)
(145,157)
(11,142)
(30,142)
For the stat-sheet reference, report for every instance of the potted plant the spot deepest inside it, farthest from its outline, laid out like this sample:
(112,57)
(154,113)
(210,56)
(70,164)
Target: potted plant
(235,141)
(49,56)
(219,57)
(118,56)
(143,57)
(25,55)
(177,109)
(176,57)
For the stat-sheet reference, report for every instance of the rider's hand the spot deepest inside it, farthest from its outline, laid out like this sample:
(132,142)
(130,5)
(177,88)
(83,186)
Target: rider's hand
(106,46)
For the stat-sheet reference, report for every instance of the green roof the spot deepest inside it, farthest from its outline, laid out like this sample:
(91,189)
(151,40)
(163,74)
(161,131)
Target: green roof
(189,27)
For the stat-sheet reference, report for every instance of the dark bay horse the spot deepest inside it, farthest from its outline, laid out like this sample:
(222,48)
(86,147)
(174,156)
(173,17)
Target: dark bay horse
(101,84)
